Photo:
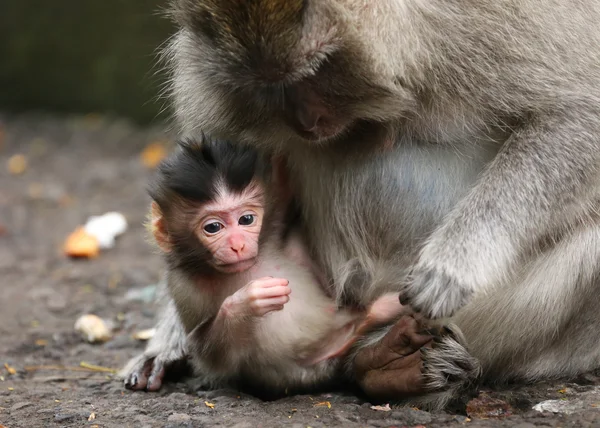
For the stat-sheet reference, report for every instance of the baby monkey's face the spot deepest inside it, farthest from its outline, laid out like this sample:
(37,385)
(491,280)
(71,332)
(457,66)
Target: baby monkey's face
(229,227)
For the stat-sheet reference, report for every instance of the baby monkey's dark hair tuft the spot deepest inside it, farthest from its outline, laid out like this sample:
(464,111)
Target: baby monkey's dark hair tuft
(198,166)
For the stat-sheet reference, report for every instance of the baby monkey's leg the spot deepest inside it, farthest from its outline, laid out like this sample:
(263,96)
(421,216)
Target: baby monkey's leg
(166,348)
(383,310)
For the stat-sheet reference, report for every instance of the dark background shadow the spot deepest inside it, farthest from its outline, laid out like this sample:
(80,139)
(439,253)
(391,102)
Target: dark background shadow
(82,56)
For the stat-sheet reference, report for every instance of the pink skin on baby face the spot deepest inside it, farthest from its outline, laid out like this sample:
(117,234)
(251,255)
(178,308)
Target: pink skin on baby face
(229,227)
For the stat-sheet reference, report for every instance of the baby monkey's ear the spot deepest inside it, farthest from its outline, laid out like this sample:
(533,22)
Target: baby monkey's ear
(158,228)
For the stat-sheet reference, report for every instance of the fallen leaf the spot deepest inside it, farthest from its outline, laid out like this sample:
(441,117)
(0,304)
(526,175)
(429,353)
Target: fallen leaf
(41,342)
(385,408)
(211,405)
(81,244)
(486,407)
(93,328)
(323,404)
(84,367)
(92,416)
(9,369)
(17,164)
(153,154)
(563,391)
(144,334)
(10,388)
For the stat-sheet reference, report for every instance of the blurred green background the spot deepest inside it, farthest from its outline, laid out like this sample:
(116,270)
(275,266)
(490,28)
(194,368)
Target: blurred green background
(83,56)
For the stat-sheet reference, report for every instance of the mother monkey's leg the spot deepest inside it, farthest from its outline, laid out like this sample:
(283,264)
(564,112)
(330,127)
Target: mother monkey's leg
(541,326)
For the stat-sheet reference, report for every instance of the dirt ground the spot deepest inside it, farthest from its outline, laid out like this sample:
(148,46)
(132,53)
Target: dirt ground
(83,166)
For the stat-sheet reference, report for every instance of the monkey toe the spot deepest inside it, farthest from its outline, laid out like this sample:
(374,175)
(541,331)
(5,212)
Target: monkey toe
(156,377)
(137,377)
(136,382)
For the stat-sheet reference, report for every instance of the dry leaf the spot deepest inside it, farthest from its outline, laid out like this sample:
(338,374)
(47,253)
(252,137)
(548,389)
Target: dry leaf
(144,334)
(81,244)
(385,408)
(9,369)
(17,164)
(10,388)
(93,328)
(41,342)
(153,154)
(211,405)
(323,404)
(92,416)
(563,390)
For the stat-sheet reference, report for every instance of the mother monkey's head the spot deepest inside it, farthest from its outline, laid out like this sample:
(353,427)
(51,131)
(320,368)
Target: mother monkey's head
(283,71)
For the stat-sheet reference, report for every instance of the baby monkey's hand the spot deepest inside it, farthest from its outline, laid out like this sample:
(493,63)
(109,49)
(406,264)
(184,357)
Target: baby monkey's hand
(257,298)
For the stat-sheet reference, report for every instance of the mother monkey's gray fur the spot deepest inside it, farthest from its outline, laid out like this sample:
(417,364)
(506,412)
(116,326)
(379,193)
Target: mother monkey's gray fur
(456,142)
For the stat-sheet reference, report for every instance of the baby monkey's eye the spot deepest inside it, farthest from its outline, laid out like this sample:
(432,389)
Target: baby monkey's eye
(246,220)
(213,227)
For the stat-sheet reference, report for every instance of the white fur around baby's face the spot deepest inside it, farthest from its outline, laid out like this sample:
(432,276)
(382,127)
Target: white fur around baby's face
(229,227)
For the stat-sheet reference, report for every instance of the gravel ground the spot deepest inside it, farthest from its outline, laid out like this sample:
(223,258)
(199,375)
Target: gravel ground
(82,166)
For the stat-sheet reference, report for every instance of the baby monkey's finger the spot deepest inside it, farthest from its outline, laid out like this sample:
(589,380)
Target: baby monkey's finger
(272,303)
(266,293)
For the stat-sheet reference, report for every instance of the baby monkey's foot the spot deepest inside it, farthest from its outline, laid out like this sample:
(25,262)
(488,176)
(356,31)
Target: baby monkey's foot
(147,372)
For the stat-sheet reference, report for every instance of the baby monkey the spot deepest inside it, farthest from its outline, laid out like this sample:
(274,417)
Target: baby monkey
(249,298)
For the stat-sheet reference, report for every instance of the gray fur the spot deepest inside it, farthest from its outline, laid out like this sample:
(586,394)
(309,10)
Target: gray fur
(486,204)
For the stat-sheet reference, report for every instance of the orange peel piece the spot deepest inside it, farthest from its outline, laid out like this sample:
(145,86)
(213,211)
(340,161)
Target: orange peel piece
(81,244)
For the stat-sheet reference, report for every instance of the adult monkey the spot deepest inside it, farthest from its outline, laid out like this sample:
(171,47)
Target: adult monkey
(447,149)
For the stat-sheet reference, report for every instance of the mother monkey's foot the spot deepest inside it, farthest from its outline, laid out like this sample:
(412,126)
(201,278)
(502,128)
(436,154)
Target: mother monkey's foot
(417,363)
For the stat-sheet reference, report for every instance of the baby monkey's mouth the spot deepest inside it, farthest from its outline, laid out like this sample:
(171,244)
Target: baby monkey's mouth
(239,266)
